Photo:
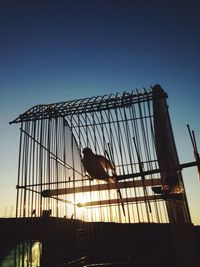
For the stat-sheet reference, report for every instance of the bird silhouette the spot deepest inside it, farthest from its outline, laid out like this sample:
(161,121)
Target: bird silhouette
(100,168)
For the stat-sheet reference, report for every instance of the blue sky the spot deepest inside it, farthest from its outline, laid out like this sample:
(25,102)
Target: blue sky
(54,51)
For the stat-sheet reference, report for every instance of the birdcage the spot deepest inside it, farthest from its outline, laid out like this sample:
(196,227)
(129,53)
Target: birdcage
(132,131)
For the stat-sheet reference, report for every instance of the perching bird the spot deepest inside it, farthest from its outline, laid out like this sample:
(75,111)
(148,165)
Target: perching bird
(100,168)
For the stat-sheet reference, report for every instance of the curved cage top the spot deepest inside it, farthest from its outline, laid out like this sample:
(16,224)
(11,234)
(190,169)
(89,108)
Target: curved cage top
(88,105)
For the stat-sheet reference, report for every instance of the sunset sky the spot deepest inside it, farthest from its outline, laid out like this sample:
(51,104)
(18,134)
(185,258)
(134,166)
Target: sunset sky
(60,50)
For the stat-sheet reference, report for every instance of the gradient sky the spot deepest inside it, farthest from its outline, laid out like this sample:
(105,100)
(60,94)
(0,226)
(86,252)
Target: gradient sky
(53,51)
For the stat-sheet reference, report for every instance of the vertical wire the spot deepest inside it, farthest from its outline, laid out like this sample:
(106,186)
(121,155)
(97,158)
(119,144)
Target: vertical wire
(73,165)
(129,141)
(80,146)
(146,150)
(54,173)
(108,132)
(147,118)
(67,140)
(110,149)
(29,159)
(19,172)
(100,137)
(107,194)
(119,136)
(80,134)
(23,175)
(95,144)
(89,135)
(146,153)
(33,171)
(105,132)
(113,129)
(51,161)
(25,169)
(27,175)
(72,161)
(60,167)
(87,144)
(25,202)
(135,133)
(110,144)
(123,159)
(54,177)
(36,167)
(122,149)
(58,142)
(30,172)
(18,199)
(55,162)
(48,160)
(95,131)
(53,168)
(149,150)
(45,167)
(64,160)
(65,172)
(144,146)
(41,164)
(81,123)
(44,172)
(112,132)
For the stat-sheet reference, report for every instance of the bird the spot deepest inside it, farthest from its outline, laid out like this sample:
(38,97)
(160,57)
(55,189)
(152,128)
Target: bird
(100,168)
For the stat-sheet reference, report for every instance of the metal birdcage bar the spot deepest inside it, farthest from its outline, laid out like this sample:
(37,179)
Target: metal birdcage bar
(120,127)
(138,215)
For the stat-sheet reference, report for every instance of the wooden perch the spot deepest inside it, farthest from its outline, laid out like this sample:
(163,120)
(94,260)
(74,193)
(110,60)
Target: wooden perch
(101,187)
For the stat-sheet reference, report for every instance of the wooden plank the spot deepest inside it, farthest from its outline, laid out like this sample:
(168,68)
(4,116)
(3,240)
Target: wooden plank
(101,187)
(109,202)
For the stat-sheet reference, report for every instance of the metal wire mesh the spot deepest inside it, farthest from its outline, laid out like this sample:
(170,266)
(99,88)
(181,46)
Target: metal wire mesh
(51,177)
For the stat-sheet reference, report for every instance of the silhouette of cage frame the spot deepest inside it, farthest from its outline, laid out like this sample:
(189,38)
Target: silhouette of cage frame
(132,129)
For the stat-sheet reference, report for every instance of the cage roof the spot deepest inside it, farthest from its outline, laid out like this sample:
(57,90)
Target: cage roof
(90,104)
